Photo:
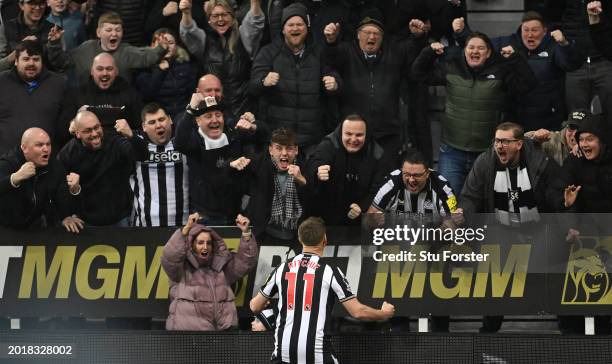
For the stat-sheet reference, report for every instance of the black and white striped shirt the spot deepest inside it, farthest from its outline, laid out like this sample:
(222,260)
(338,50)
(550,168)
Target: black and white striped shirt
(307,290)
(161,188)
(436,198)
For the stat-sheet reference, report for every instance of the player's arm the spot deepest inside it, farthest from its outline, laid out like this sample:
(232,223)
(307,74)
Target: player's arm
(258,303)
(363,312)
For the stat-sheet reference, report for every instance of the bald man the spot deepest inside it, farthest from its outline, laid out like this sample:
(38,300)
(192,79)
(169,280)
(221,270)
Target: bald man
(106,94)
(34,188)
(103,162)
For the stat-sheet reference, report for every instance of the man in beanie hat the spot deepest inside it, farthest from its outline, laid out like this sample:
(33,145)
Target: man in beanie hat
(201,271)
(588,189)
(559,144)
(372,68)
(291,80)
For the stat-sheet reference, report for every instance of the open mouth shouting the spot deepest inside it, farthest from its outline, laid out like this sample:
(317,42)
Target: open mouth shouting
(283,163)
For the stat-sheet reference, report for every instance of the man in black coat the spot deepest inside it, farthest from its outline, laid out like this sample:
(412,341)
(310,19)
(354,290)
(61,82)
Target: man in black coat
(345,172)
(34,188)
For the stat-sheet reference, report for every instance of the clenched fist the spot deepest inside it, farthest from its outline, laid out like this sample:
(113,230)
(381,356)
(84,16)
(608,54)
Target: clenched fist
(437,47)
(27,171)
(331,32)
(458,25)
(323,172)
(507,51)
(559,37)
(122,127)
(330,83)
(170,8)
(185,6)
(240,163)
(271,79)
(354,211)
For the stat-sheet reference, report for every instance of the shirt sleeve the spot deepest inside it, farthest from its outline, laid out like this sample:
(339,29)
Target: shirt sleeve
(340,286)
(269,289)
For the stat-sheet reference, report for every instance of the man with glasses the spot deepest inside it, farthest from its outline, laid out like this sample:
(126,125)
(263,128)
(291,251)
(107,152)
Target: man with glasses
(372,69)
(513,180)
(559,144)
(28,25)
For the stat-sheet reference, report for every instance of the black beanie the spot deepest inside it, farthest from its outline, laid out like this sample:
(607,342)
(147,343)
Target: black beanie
(295,9)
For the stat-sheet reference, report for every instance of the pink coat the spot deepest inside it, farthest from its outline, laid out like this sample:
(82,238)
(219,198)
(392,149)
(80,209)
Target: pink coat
(201,297)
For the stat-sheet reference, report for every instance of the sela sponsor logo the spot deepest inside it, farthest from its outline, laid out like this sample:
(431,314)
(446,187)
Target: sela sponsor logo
(164,157)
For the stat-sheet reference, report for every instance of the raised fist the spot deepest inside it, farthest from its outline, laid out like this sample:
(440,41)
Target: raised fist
(437,47)
(271,79)
(331,32)
(458,25)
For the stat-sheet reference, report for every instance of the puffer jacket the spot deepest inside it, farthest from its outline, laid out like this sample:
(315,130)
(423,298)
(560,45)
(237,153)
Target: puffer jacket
(201,297)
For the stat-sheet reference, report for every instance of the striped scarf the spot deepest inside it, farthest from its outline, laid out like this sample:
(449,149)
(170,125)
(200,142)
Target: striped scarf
(286,208)
(514,198)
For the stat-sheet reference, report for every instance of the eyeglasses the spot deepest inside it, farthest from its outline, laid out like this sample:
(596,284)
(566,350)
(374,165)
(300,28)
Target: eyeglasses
(414,175)
(371,34)
(220,15)
(504,142)
(88,131)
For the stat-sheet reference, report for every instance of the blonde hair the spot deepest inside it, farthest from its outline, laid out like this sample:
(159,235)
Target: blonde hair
(233,38)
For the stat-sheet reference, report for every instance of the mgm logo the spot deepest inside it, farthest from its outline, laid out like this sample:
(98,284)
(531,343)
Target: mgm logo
(587,280)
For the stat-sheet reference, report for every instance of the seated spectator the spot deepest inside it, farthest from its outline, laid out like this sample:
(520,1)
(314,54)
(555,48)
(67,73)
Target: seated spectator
(601,33)
(35,189)
(224,48)
(201,271)
(478,84)
(70,20)
(558,145)
(29,25)
(345,172)
(104,164)
(110,34)
(30,96)
(550,56)
(106,94)
(170,82)
(210,147)
(160,182)
(276,189)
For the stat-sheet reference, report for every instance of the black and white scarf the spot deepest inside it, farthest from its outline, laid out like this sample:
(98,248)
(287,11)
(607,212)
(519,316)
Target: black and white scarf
(514,198)
(286,209)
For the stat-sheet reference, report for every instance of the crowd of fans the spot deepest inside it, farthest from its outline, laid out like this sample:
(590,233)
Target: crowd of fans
(140,113)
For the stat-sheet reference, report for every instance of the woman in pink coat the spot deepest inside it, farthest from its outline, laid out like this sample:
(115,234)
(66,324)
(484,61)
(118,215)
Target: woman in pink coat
(201,271)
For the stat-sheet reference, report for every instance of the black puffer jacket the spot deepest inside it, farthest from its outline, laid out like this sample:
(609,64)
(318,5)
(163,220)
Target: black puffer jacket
(355,178)
(295,102)
(16,29)
(45,194)
(372,89)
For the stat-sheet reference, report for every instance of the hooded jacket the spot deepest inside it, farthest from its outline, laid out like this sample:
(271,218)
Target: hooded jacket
(201,297)
(44,194)
(595,176)
(331,199)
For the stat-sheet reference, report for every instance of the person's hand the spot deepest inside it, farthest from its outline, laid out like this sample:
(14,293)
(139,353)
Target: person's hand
(388,309)
(256,325)
(55,34)
(417,27)
(33,38)
(248,116)
(594,8)
(164,65)
(73,181)
(294,170)
(323,172)
(196,99)
(576,151)
(25,172)
(243,223)
(122,127)
(185,6)
(573,236)
(354,211)
(507,51)
(541,135)
(331,32)
(330,83)
(559,37)
(271,79)
(437,47)
(171,8)
(245,125)
(192,219)
(569,195)
(240,163)
(458,25)
(455,2)
(73,224)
